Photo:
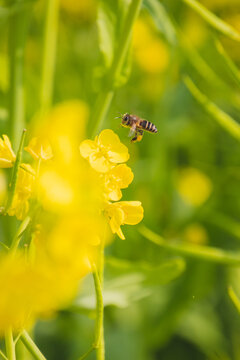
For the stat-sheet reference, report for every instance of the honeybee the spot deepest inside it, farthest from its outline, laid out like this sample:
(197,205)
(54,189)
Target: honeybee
(137,126)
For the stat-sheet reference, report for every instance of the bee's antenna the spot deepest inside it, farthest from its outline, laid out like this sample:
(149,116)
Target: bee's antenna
(118,117)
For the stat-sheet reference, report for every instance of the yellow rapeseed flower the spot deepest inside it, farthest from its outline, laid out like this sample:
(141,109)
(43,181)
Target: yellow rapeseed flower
(116,179)
(7,156)
(23,192)
(123,212)
(105,151)
(39,148)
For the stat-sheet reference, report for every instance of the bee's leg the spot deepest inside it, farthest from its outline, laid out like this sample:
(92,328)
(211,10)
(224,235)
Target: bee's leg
(139,135)
(134,139)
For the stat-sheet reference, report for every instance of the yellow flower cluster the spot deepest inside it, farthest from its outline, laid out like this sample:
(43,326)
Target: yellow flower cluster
(106,155)
(64,205)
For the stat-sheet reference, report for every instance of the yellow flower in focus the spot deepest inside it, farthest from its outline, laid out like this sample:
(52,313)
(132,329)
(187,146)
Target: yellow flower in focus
(23,192)
(194,186)
(116,179)
(7,156)
(123,212)
(39,148)
(105,151)
(196,234)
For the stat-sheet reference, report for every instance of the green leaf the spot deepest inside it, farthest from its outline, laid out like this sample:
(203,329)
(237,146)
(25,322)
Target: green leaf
(231,67)
(162,20)
(110,19)
(127,282)
(223,119)
(213,20)
(235,299)
(206,253)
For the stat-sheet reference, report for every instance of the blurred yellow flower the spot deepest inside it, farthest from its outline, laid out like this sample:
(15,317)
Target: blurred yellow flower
(85,10)
(39,148)
(123,212)
(194,186)
(7,156)
(150,52)
(105,151)
(23,192)
(116,179)
(29,290)
(65,127)
(56,190)
(196,234)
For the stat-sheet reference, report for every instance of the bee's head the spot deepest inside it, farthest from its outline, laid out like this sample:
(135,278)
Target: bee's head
(125,118)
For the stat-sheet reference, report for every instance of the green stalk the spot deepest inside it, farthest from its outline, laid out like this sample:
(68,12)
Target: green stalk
(99,331)
(206,253)
(105,97)
(17,238)
(17,36)
(31,346)
(49,54)
(10,347)
(15,173)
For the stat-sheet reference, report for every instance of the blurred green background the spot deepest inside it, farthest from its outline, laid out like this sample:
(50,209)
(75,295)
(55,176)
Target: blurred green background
(186,176)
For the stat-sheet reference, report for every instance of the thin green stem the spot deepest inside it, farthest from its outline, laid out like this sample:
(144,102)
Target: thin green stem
(98,343)
(206,253)
(10,347)
(18,26)
(105,97)
(3,355)
(99,282)
(99,307)
(15,173)
(49,54)
(31,346)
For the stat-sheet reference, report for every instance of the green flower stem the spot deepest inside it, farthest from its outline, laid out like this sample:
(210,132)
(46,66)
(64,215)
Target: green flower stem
(99,307)
(10,347)
(18,25)
(98,343)
(105,98)
(15,173)
(17,238)
(206,253)
(49,54)
(98,281)
(3,355)
(31,346)
(224,120)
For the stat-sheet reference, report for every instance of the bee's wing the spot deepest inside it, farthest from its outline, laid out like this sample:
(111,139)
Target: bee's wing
(132,130)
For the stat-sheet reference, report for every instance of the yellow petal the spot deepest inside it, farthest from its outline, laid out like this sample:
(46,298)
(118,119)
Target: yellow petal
(39,148)
(7,156)
(115,194)
(123,175)
(108,138)
(4,163)
(99,163)
(117,217)
(117,152)
(133,212)
(88,148)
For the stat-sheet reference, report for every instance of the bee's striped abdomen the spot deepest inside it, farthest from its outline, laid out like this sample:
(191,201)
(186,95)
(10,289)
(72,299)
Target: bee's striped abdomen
(148,126)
